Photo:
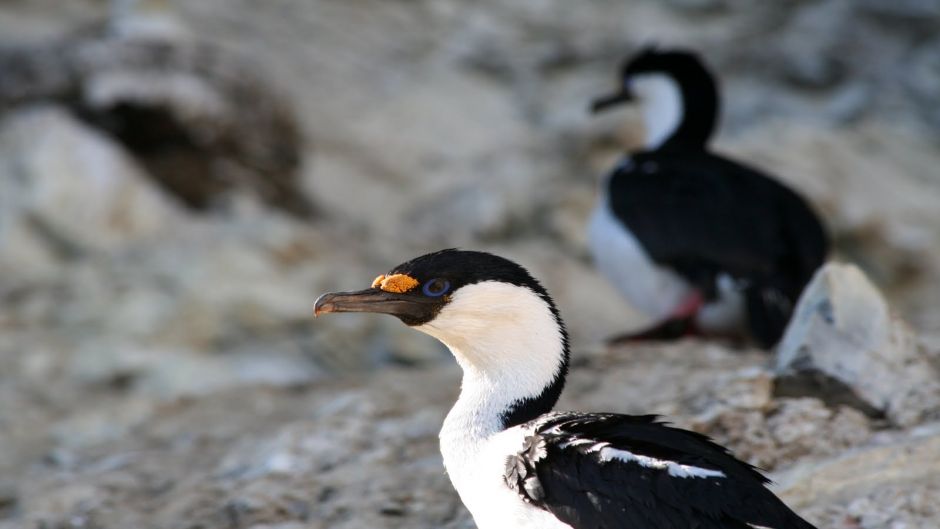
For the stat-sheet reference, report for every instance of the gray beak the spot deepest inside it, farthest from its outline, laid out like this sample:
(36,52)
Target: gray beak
(606,102)
(409,308)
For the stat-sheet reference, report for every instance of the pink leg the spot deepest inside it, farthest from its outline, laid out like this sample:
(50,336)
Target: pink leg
(689,306)
(680,323)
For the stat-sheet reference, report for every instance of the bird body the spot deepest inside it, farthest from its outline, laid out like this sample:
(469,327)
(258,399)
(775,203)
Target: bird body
(686,234)
(514,462)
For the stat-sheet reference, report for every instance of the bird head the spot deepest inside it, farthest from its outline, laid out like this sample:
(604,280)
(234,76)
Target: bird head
(489,311)
(650,72)
(666,84)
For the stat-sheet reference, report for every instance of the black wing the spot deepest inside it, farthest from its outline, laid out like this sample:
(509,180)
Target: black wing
(702,215)
(606,471)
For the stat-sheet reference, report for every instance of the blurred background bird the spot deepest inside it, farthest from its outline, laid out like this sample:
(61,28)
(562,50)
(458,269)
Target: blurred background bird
(700,243)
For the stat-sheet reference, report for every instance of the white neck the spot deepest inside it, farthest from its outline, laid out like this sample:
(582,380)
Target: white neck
(661,100)
(510,347)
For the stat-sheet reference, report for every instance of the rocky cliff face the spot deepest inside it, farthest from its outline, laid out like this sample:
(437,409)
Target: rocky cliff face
(158,363)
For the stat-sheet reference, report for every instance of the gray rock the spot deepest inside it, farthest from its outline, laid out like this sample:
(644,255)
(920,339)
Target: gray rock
(740,411)
(844,329)
(922,78)
(202,120)
(463,215)
(72,188)
(697,6)
(902,463)
(814,59)
(923,11)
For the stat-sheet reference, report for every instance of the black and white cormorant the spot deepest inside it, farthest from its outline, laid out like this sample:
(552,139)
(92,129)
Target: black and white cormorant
(696,241)
(518,465)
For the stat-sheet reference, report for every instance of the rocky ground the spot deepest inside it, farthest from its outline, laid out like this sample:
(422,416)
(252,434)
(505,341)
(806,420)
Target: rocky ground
(159,366)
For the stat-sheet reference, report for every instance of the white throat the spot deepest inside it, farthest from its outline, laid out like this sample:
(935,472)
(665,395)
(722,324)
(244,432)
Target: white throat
(661,100)
(510,347)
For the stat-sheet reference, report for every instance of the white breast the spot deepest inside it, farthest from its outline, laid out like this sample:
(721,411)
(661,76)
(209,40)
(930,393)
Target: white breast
(652,289)
(476,468)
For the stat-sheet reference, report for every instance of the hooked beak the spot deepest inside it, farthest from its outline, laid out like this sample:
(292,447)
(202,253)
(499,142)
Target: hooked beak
(605,102)
(407,308)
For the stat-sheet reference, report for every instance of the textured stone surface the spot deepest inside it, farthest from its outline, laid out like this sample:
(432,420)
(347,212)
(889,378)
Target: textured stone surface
(73,188)
(887,484)
(786,430)
(844,329)
(202,121)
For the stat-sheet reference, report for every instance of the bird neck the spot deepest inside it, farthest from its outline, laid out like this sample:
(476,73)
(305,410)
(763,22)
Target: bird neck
(678,113)
(489,404)
(513,349)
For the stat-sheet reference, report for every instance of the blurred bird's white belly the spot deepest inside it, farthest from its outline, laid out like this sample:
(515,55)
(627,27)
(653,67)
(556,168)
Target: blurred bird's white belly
(726,314)
(654,290)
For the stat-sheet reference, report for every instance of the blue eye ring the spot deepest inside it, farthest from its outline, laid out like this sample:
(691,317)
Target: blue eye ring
(436,287)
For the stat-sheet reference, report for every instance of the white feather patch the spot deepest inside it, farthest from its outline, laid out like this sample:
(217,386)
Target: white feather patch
(607,453)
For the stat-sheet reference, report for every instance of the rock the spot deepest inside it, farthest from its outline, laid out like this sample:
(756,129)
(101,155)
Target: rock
(170,374)
(923,78)
(326,455)
(72,189)
(463,215)
(920,11)
(843,328)
(201,120)
(785,430)
(813,59)
(749,388)
(697,6)
(906,461)
(8,499)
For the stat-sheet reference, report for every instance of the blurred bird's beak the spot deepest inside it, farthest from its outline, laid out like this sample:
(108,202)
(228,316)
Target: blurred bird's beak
(407,307)
(605,102)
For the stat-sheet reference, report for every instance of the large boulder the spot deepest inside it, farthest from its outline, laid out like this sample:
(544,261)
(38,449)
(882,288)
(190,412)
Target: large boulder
(844,338)
(67,189)
(203,121)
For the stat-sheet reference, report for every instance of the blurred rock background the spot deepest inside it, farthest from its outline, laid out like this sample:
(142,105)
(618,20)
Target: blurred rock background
(180,180)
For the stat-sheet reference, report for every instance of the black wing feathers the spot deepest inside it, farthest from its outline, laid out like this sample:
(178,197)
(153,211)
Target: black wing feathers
(584,491)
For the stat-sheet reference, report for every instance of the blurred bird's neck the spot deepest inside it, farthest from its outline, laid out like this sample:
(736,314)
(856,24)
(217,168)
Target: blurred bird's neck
(677,114)
(662,108)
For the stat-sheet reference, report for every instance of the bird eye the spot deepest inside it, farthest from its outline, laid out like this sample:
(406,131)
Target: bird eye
(436,287)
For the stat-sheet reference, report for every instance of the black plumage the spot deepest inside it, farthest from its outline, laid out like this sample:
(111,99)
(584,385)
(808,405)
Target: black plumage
(560,469)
